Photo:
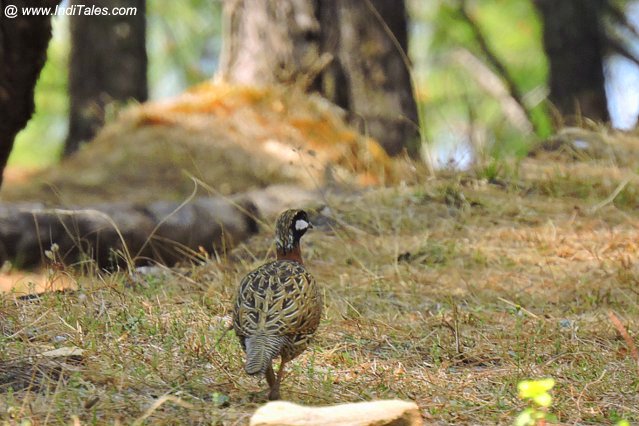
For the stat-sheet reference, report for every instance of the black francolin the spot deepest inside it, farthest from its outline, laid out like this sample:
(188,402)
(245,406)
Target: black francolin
(278,305)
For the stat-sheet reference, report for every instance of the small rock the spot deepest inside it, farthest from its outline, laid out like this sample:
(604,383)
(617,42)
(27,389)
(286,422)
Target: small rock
(220,400)
(63,352)
(566,323)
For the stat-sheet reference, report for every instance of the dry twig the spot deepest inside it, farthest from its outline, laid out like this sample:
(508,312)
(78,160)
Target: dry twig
(624,333)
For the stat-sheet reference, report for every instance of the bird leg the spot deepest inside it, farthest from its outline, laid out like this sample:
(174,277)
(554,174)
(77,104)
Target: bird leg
(280,372)
(275,389)
(270,375)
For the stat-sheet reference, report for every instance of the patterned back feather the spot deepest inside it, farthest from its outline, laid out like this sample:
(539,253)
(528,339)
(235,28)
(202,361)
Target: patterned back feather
(278,308)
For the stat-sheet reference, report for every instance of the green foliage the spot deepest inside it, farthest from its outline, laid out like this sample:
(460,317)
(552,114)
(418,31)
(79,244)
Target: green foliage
(184,42)
(456,103)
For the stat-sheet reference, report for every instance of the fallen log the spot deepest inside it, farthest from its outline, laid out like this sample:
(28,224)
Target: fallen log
(373,413)
(123,234)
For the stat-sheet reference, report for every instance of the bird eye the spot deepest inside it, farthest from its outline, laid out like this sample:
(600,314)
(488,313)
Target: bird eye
(301,224)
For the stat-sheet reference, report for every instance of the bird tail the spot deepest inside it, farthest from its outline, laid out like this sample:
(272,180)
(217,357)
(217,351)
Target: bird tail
(260,351)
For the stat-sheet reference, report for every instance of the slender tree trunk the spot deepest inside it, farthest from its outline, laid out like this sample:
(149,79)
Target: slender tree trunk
(574,42)
(108,63)
(352,51)
(372,50)
(23,52)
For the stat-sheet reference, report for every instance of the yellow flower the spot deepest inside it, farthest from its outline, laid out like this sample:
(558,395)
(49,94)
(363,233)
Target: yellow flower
(537,390)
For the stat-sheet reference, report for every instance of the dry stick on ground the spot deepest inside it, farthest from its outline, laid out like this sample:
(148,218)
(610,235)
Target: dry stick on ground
(518,307)
(611,198)
(158,403)
(624,333)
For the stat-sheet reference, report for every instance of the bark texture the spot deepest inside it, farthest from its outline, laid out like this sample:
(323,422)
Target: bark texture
(108,63)
(23,48)
(352,51)
(574,42)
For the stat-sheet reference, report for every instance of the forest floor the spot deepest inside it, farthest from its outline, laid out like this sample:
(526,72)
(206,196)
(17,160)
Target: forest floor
(447,293)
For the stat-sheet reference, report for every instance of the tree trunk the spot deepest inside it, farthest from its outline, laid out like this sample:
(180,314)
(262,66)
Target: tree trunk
(352,51)
(108,63)
(574,42)
(23,52)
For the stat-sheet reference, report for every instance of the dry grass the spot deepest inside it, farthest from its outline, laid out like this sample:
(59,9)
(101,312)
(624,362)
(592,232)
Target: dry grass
(447,293)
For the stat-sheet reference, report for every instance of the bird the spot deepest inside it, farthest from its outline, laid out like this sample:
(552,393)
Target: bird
(278,306)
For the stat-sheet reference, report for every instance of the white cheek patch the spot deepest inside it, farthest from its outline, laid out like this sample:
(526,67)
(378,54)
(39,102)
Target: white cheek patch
(301,224)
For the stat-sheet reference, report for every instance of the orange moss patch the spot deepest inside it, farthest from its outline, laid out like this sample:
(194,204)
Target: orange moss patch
(22,283)
(17,174)
(301,121)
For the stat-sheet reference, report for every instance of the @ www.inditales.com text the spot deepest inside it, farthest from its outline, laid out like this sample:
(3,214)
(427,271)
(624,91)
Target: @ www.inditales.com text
(13,11)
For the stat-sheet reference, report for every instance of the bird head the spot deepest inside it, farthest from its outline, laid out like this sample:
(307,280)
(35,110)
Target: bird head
(289,228)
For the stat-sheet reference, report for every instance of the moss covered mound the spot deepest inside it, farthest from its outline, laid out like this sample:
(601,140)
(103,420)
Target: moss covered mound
(219,137)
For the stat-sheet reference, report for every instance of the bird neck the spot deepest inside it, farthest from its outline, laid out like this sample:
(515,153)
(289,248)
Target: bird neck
(295,254)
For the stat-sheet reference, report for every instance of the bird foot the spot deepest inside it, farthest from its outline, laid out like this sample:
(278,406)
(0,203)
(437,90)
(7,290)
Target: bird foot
(274,394)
